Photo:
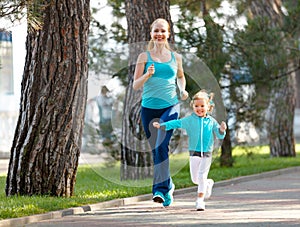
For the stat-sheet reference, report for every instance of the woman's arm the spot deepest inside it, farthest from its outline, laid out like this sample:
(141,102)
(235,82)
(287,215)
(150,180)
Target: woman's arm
(181,82)
(139,77)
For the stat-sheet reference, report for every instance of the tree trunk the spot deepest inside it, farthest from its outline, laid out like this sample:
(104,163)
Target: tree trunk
(214,49)
(283,94)
(46,146)
(136,156)
(281,120)
(226,155)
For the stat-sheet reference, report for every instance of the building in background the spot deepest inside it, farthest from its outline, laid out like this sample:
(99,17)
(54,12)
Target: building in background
(6,63)
(12,58)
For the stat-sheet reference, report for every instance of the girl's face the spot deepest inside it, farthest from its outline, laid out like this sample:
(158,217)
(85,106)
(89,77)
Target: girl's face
(160,32)
(200,107)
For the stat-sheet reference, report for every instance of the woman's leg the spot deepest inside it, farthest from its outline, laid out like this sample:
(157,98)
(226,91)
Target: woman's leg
(148,116)
(159,142)
(162,181)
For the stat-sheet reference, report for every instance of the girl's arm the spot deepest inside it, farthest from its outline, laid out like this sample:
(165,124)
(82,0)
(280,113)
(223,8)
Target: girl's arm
(223,127)
(220,130)
(139,77)
(168,125)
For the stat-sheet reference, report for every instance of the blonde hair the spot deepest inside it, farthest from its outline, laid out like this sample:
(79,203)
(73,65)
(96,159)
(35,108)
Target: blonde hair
(151,42)
(204,95)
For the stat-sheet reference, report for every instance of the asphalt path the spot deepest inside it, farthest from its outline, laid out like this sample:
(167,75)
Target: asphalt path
(267,199)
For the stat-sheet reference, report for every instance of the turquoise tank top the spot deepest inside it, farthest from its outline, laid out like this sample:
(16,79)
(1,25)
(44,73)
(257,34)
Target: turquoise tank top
(160,90)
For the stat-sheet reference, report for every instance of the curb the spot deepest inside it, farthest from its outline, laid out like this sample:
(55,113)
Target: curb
(131,200)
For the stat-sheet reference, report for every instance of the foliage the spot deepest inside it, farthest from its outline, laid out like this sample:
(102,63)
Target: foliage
(91,188)
(291,27)
(196,7)
(245,58)
(198,33)
(15,11)
(97,40)
(107,53)
(262,52)
(12,10)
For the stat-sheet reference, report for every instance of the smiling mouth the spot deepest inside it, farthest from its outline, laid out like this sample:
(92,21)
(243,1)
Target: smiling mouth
(160,39)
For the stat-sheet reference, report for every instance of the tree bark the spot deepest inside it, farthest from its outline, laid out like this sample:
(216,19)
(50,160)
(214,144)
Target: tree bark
(214,49)
(226,155)
(136,156)
(281,120)
(283,93)
(46,146)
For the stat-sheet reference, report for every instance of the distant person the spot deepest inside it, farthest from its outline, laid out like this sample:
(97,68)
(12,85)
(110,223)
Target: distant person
(105,103)
(157,71)
(201,128)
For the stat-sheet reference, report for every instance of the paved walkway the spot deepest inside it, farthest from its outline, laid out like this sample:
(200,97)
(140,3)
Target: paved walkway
(268,199)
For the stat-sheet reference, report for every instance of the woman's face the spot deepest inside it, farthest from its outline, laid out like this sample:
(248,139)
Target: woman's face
(200,107)
(160,32)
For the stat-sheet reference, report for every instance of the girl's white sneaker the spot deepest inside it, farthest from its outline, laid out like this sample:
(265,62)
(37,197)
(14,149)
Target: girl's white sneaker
(200,204)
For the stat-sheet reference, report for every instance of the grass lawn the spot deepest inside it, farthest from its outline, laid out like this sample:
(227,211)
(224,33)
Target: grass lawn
(101,183)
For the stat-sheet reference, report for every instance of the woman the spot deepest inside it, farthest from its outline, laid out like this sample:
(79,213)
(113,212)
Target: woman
(157,71)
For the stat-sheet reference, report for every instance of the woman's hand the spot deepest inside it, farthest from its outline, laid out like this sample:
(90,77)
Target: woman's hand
(151,70)
(184,95)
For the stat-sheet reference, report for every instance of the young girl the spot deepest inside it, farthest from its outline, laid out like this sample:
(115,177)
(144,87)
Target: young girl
(201,129)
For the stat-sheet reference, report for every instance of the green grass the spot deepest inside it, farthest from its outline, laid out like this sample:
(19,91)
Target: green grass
(101,183)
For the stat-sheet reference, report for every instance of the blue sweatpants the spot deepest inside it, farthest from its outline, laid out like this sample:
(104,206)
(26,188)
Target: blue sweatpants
(159,142)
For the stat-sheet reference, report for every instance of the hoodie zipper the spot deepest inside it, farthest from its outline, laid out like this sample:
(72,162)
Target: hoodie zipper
(201,135)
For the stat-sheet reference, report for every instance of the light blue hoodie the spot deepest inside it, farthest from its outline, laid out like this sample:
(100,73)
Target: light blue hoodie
(200,130)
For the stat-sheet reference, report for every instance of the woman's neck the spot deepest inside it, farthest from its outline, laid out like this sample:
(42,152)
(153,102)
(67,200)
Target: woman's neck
(160,49)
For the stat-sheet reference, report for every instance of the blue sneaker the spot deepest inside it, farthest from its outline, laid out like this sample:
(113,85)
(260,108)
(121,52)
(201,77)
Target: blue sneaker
(158,197)
(169,197)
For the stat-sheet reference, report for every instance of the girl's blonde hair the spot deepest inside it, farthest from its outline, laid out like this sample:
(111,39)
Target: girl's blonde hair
(208,97)
(151,42)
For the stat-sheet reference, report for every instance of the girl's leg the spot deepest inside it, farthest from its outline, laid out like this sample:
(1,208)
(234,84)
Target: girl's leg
(203,171)
(194,169)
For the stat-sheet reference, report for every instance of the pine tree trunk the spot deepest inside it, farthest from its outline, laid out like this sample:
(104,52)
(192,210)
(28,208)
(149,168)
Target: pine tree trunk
(214,37)
(281,120)
(283,94)
(226,155)
(136,156)
(46,146)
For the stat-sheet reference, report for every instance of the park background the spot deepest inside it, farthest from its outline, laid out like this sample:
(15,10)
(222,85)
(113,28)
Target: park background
(244,134)
(242,46)
(13,52)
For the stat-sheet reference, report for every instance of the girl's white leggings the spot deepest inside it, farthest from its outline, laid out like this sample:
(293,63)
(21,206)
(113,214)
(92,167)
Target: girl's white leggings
(199,168)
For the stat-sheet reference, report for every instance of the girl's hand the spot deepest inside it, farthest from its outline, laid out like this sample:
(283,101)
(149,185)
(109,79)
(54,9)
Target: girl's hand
(184,95)
(223,127)
(156,125)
